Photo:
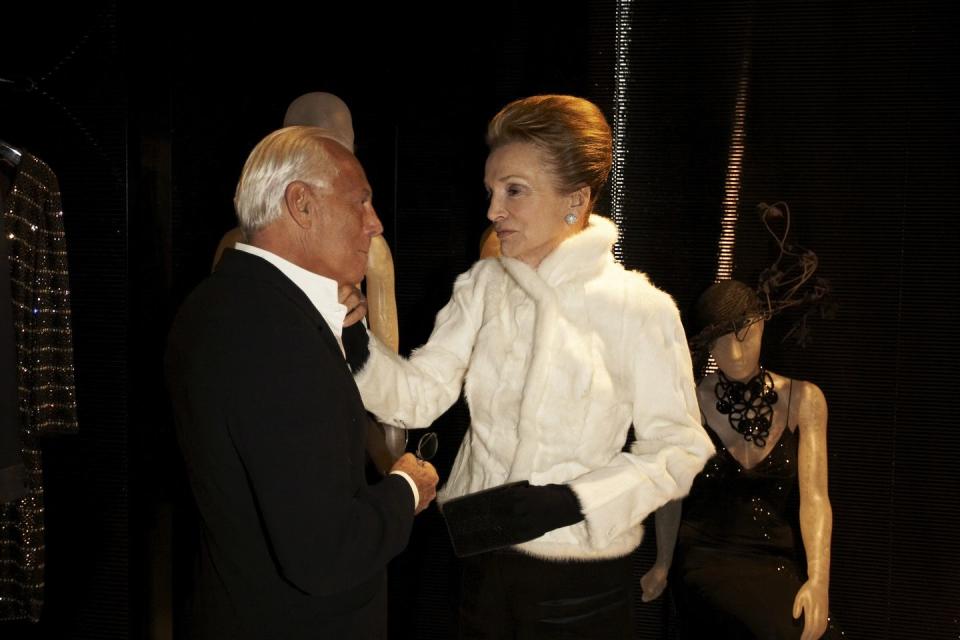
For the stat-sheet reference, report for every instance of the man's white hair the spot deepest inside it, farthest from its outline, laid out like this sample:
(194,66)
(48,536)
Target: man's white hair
(284,156)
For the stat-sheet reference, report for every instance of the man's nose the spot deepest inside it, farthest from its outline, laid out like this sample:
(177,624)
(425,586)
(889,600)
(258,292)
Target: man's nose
(374,227)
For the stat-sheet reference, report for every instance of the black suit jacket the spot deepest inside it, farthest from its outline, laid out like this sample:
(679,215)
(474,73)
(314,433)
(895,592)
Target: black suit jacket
(271,426)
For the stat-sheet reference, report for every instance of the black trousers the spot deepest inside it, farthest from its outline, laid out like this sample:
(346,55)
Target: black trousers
(506,594)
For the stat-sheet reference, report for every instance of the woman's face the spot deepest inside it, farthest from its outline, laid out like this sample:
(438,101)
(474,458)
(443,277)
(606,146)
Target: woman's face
(525,208)
(738,353)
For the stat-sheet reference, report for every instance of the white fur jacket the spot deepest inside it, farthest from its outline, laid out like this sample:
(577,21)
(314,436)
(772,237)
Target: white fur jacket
(556,364)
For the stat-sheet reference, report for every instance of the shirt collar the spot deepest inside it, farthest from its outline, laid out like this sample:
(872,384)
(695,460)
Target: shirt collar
(321,291)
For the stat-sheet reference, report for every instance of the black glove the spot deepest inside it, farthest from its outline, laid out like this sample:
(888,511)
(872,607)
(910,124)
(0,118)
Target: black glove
(530,511)
(508,515)
(356,346)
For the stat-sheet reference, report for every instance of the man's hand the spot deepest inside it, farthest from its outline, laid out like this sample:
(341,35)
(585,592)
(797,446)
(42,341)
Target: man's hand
(353,299)
(423,475)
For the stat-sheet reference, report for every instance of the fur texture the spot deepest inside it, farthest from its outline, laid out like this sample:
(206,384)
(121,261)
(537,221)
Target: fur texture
(556,364)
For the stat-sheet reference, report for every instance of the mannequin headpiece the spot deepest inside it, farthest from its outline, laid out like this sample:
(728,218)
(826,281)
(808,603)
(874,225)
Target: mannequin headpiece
(730,305)
(725,307)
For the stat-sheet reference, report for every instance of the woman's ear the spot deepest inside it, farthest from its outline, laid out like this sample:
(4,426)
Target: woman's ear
(580,201)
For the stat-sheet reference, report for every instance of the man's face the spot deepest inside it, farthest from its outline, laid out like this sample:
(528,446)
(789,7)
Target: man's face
(339,239)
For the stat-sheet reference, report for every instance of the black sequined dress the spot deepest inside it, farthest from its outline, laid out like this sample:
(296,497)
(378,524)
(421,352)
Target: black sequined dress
(739,558)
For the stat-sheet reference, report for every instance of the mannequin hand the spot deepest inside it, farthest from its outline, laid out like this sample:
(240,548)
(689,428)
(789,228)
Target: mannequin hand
(653,583)
(355,302)
(812,601)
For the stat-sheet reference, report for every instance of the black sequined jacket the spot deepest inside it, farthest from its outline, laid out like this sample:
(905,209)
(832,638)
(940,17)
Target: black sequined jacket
(33,224)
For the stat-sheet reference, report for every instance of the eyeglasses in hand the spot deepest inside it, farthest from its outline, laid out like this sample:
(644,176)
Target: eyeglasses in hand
(427,446)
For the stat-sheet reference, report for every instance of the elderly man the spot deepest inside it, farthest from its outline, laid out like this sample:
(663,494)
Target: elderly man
(314,109)
(269,420)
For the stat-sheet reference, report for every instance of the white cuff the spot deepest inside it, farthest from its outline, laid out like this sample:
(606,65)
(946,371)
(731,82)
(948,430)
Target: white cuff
(413,487)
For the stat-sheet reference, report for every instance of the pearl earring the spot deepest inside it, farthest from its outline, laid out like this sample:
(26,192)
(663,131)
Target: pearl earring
(570,218)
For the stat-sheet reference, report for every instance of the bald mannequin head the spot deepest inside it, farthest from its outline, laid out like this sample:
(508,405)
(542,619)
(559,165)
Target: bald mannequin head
(325,110)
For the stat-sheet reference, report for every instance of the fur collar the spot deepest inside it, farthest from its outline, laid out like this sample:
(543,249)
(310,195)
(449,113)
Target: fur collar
(578,258)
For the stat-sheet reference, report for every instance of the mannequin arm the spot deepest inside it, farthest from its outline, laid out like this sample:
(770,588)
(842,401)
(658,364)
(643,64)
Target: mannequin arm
(380,294)
(385,443)
(816,515)
(667,523)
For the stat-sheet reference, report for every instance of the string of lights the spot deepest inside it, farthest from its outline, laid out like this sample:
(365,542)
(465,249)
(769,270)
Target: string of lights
(621,76)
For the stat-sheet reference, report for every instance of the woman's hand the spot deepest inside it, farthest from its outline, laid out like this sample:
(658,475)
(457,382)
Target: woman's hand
(653,582)
(353,299)
(812,601)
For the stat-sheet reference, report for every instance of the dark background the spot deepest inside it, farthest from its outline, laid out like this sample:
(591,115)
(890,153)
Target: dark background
(147,120)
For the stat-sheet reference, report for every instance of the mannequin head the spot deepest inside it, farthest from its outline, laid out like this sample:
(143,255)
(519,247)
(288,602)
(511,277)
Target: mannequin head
(324,110)
(737,353)
(727,321)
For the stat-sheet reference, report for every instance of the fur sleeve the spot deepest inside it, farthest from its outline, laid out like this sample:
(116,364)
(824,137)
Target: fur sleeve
(671,446)
(416,391)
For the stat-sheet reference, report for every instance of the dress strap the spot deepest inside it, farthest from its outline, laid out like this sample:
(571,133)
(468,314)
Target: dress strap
(789,401)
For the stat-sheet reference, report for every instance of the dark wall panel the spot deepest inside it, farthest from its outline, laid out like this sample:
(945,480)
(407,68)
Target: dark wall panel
(67,105)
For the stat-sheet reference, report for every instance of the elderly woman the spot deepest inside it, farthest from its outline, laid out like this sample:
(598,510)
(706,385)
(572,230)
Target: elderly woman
(736,572)
(559,350)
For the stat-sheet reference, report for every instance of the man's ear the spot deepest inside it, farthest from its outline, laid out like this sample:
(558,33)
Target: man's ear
(298,199)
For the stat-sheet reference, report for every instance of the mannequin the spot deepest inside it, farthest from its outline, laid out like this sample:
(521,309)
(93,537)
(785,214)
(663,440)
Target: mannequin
(732,542)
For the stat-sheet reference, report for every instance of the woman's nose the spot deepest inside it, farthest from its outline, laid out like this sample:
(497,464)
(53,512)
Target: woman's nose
(494,210)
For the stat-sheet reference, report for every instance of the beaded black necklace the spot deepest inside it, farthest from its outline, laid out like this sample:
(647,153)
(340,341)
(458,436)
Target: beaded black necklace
(748,405)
